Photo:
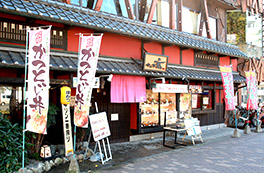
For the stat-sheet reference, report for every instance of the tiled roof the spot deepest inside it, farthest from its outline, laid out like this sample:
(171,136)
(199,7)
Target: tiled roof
(78,16)
(14,57)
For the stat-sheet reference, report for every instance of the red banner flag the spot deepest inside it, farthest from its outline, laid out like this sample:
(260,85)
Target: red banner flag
(252,101)
(87,64)
(38,80)
(227,78)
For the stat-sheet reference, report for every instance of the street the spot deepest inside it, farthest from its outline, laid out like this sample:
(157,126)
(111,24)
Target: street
(244,154)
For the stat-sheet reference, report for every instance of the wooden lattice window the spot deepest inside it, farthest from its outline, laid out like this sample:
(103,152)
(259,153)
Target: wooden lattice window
(16,33)
(206,60)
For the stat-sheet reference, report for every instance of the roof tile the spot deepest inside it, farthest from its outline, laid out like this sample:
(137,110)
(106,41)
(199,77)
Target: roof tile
(89,18)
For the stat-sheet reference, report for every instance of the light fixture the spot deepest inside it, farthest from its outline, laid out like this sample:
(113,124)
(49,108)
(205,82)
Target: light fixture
(102,81)
(109,79)
(154,84)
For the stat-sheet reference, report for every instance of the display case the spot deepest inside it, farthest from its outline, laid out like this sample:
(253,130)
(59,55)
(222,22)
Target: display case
(149,110)
(152,112)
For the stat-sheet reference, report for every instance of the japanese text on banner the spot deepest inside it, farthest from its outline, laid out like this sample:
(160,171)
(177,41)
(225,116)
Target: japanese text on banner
(87,63)
(38,80)
(252,102)
(227,78)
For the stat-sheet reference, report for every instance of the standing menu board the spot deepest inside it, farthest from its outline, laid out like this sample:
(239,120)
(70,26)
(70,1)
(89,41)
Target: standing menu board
(100,126)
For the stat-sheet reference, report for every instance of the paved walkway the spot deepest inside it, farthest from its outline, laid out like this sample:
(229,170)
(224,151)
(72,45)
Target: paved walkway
(219,153)
(244,154)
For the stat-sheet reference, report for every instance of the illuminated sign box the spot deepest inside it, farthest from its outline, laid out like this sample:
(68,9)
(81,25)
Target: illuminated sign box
(153,62)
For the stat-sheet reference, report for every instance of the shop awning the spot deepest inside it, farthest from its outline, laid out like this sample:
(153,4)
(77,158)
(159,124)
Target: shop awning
(65,61)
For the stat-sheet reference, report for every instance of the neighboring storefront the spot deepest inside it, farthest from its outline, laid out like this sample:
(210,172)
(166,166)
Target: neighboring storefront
(185,70)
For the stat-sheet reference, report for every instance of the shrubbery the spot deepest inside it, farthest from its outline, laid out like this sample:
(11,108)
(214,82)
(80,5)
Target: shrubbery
(11,146)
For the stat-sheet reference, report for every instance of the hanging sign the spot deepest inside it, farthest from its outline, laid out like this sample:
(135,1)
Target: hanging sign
(195,89)
(87,64)
(252,101)
(65,102)
(170,88)
(227,78)
(153,62)
(194,100)
(38,80)
(67,129)
(100,126)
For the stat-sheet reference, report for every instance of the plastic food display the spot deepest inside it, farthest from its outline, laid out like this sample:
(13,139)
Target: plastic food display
(153,110)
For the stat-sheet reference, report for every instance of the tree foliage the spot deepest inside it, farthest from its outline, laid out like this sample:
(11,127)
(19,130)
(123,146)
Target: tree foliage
(236,24)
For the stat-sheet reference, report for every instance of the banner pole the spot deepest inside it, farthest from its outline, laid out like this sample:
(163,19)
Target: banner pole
(247,129)
(235,118)
(24,102)
(75,129)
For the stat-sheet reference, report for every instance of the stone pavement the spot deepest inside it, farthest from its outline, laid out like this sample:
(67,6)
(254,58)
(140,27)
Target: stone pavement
(216,154)
(230,155)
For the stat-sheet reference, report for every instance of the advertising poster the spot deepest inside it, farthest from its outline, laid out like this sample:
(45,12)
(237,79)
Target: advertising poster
(252,102)
(185,105)
(227,79)
(194,100)
(100,126)
(38,80)
(87,63)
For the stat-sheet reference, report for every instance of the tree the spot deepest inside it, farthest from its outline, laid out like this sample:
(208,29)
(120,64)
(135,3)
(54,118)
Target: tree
(236,24)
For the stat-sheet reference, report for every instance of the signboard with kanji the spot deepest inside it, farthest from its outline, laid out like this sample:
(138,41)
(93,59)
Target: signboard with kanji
(38,80)
(153,62)
(100,126)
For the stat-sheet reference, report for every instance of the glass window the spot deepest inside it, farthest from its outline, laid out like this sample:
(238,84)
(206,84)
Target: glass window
(11,103)
(203,101)
(150,110)
(154,109)
(163,10)
(82,3)
(168,105)
(108,6)
(212,25)
(190,21)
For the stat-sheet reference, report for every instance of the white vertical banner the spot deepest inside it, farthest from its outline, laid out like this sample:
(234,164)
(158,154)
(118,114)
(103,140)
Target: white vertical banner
(87,64)
(67,129)
(38,80)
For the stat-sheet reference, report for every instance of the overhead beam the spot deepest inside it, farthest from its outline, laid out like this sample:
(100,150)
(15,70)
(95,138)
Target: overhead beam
(118,8)
(98,5)
(207,26)
(152,11)
(180,15)
(129,10)
(142,10)
(90,4)
(67,1)
(172,14)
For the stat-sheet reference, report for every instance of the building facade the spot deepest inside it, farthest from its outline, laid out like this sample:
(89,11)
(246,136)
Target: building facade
(189,34)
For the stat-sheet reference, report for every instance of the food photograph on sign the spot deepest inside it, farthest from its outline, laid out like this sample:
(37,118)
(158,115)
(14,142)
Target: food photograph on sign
(185,104)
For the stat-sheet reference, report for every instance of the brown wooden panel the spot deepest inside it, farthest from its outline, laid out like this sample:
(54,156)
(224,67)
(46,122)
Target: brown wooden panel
(119,129)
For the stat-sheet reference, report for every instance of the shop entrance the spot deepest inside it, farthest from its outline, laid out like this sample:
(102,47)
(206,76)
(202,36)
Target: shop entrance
(118,114)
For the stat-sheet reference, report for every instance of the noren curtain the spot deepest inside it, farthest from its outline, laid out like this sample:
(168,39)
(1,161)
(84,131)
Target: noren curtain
(128,89)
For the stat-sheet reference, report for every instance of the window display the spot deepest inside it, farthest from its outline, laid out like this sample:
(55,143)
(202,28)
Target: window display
(185,106)
(153,110)
(168,105)
(150,110)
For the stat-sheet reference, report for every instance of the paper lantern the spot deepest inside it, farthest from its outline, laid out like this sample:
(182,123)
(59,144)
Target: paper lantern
(45,152)
(65,95)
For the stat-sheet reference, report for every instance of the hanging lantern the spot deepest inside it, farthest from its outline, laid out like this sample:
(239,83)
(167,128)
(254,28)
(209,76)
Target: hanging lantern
(65,95)
(45,152)
(153,84)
